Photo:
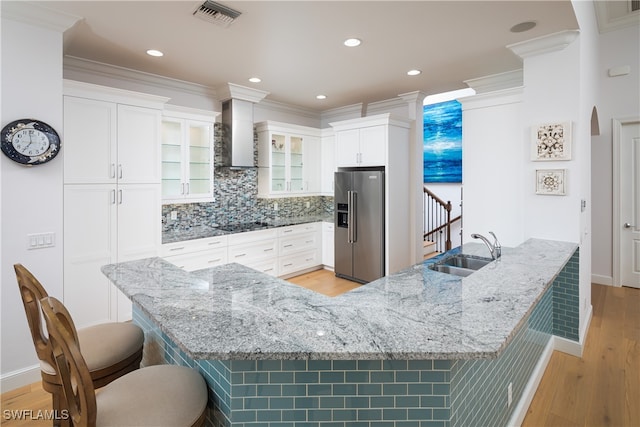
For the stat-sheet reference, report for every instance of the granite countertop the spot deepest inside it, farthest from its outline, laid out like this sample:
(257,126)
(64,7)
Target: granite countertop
(204,231)
(234,312)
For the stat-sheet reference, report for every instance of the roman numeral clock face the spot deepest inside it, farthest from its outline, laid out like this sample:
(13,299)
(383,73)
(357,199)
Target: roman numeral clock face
(30,142)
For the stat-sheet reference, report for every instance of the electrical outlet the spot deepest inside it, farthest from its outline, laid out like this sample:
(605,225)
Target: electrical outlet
(174,215)
(275,206)
(308,204)
(509,394)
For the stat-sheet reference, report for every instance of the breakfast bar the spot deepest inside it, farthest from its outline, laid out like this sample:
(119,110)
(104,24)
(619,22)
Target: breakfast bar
(419,347)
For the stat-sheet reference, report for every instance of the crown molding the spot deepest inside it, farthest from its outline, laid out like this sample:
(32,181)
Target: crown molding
(233,91)
(545,44)
(73,64)
(83,89)
(492,99)
(384,106)
(498,81)
(353,111)
(281,107)
(38,16)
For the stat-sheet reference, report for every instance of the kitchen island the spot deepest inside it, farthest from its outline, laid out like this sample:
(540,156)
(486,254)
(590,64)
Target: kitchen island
(418,346)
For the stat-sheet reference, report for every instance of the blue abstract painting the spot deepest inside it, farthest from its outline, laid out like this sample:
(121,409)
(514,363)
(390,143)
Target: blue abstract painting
(443,142)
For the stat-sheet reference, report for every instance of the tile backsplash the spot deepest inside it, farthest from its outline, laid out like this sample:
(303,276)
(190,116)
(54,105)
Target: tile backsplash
(236,199)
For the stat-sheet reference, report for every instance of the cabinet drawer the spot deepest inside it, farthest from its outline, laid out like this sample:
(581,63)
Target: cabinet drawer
(251,236)
(199,260)
(297,243)
(248,252)
(293,263)
(269,266)
(196,245)
(297,229)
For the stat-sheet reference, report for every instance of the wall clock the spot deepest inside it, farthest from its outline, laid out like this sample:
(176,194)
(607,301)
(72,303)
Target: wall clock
(30,142)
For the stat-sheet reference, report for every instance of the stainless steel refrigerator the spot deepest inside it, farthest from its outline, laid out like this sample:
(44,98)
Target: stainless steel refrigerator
(359,224)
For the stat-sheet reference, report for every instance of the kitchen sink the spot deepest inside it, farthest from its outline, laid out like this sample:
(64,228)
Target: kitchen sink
(460,264)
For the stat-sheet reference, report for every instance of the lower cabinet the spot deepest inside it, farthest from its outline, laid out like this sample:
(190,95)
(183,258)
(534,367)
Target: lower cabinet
(328,250)
(279,252)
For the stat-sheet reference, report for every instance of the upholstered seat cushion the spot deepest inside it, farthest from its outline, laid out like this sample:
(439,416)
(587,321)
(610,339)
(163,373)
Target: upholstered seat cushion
(105,345)
(158,396)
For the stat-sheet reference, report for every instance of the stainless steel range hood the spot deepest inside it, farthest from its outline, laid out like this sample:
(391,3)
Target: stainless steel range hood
(237,119)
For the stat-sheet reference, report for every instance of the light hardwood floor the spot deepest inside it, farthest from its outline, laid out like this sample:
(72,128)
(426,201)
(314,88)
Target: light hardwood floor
(600,389)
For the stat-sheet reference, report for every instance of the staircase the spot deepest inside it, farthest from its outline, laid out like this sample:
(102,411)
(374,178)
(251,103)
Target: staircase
(437,224)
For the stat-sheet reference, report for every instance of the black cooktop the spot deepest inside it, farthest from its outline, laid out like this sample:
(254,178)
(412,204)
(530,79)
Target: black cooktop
(239,227)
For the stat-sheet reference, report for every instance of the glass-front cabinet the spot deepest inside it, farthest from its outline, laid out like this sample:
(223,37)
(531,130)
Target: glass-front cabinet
(288,157)
(187,160)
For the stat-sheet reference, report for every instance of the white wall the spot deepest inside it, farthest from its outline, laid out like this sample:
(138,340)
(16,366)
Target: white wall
(31,197)
(619,99)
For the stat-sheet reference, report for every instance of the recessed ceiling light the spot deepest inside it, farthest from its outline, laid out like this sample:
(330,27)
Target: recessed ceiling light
(414,72)
(321,96)
(523,26)
(352,42)
(255,80)
(154,52)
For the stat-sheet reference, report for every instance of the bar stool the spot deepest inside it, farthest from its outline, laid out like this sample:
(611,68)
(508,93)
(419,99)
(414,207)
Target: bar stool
(156,396)
(110,349)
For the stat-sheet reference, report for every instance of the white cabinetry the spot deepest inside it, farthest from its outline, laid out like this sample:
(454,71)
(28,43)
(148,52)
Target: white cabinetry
(383,140)
(362,146)
(111,193)
(187,156)
(328,253)
(300,248)
(328,162)
(255,249)
(197,254)
(288,159)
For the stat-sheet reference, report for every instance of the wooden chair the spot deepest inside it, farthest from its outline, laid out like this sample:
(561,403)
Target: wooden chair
(110,349)
(155,396)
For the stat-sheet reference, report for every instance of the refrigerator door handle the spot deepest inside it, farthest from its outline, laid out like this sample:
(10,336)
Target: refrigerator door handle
(349,216)
(353,217)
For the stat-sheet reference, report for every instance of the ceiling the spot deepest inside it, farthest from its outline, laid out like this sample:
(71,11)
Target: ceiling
(296,47)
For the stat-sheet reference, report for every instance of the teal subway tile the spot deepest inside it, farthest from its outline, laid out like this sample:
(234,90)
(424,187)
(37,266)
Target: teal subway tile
(243,416)
(369,365)
(394,389)
(243,365)
(442,364)
(369,414)
(281,425)
(332,402)
(441,389)
(408,424)
(307,424)
(236,377)
(319,415)
(281,403)
(294,415)
(294,390)
(243,390)
(408,376)
(332,377)
(421,388)
(441,414)
(268,390)
(344,414)
(268,415)
(356,402)
(407,401)
(306,377)
(370,389)
(382,402)
(319,365)
(434,376)
(382,424)
(432,401)
(269,365)
(256,377)
(281,377)
(434,424)
(236,404)
(356,377)
(306,402)
(395,414)
(319,390)
(394,365)
(382,376)
(294,365)
(256,403)
(421,365)
(419,414)
(344,365)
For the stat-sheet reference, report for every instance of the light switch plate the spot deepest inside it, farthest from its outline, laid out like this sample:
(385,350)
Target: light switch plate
(41,240)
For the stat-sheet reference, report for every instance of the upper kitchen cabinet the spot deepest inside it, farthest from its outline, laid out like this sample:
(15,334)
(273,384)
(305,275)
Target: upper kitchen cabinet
(361,142)
(187,155)
(110,137)
(288,159)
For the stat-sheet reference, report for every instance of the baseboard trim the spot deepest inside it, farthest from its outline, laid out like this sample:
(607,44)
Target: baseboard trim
(520,411)
(20,378)
(601,280)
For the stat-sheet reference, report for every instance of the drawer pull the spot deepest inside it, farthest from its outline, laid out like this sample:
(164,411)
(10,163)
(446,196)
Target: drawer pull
(214,243)
(309,259)
(214,260)
(309,241)
(288,265)
(268,269)
(288,246)
(176,249)
(240,255)
(287,231)
(268,249)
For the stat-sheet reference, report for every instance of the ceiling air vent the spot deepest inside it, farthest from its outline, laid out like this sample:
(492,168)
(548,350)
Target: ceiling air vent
(216,13)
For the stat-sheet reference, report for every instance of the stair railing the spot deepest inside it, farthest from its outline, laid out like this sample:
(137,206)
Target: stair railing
(437,220)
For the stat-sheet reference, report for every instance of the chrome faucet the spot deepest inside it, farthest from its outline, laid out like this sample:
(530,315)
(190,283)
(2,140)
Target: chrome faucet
(495,248)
